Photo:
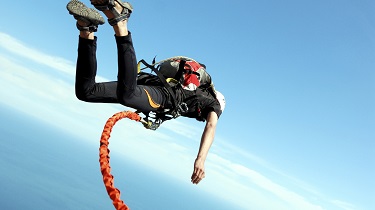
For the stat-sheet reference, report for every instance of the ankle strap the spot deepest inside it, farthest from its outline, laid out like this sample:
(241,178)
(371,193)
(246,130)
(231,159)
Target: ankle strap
(90,28)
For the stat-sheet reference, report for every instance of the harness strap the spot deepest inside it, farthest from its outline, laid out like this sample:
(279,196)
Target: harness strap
(181,70)
(177,108)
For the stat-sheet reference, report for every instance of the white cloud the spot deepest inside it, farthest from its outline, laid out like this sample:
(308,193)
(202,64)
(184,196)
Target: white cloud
(16,47)
(293,199)
(21,49)
(51,99)
(344,205)
(250,189)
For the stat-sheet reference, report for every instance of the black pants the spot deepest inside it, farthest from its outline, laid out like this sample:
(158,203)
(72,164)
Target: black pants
(125,90)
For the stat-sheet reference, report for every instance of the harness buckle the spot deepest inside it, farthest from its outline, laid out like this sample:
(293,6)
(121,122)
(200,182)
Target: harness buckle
(152,125)
(182,108)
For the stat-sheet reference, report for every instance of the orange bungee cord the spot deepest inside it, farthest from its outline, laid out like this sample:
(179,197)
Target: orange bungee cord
(105,168)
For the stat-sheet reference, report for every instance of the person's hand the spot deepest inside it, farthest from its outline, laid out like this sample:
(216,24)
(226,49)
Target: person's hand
(198,173)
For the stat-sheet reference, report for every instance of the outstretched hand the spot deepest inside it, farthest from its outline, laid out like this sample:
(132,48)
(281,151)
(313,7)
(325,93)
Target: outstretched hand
(198,173)
(206,141)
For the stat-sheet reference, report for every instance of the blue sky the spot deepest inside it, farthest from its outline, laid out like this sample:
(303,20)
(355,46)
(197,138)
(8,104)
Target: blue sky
(298,76)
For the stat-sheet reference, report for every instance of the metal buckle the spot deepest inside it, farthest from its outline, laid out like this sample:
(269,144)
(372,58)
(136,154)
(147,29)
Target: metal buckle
(182,108)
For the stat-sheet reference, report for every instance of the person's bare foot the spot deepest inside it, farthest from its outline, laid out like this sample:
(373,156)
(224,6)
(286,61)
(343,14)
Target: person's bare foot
(110,14)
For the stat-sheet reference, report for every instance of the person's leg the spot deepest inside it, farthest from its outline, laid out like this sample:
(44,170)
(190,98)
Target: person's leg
(143,98)
(86,87)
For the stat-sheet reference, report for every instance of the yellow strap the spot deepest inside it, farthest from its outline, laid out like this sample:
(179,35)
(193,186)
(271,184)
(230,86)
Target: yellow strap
(139,67)
(171,80)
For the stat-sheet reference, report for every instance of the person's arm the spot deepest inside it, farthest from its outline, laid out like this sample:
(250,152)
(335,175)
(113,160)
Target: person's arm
(206,142)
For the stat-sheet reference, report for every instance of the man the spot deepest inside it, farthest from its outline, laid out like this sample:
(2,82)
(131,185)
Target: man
(126,91)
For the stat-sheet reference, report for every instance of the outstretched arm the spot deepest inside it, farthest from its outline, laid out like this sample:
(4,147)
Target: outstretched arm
(206,142)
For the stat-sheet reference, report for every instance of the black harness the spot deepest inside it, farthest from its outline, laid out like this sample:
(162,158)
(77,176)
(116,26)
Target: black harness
(178,107)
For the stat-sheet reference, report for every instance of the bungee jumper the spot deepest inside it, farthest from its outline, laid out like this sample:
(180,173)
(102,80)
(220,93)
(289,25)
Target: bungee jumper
(178,86)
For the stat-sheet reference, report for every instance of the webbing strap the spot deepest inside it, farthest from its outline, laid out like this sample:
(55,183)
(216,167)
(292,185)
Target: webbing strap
(180,72)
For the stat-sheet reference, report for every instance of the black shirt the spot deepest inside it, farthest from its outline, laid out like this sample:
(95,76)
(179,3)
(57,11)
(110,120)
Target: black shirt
(200,104)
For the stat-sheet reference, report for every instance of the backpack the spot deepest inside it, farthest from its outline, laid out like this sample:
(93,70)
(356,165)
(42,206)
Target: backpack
(173,73)
(194,74)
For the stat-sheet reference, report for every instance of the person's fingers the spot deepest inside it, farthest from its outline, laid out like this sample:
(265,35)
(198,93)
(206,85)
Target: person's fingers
(197,177)
(194,175)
